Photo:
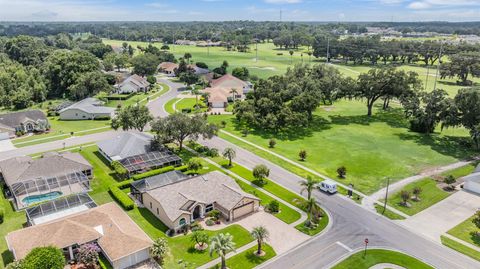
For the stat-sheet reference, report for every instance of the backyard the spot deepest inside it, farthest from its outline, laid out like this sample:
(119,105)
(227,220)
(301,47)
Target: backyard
(371,148)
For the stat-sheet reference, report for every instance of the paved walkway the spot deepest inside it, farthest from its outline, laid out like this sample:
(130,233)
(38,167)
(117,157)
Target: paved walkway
(397,186)
(386,266)
(443,216)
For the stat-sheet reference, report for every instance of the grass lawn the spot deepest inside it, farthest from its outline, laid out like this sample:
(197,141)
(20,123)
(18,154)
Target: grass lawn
(169,105)
(60,129)
(371,148)
(389,214)
(12,221)
(248,260)
(186,103)
(431,194)
(466,231)
(460,248)
(376,256)
(322,224)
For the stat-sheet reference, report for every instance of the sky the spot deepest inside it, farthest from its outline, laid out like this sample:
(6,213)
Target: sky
(221,10)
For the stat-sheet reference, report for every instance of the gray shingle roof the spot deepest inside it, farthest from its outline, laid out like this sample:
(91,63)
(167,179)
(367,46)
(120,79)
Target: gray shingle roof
(126,145)
(135,81)
(16,118)
(90,105)
(209,188)
(52,164)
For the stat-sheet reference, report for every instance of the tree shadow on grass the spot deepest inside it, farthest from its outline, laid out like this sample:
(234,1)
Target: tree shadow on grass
(457,147)
(394,117)
(7,257)
(475,236)
(252,258)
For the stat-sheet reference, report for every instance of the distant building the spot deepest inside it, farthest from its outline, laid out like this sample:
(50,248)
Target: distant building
(133,84)
(24,122)
(87,109)
(168,68)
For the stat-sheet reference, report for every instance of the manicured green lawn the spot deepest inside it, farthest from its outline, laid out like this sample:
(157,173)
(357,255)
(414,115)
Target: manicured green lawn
(431,194)
(169,105)
(389,214)
(461,171)
(248,260)
(61,129)
(371,148)
(322,224)
(12,221)
(186,103)
(460,248)
(467,231)
(376,256)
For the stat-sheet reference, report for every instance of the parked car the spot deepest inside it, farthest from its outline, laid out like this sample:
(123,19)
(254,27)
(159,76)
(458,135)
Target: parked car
(328,186)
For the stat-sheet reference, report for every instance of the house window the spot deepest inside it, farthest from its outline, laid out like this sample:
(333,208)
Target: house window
(208,208)
(150,204)
(182,222)
(158,213)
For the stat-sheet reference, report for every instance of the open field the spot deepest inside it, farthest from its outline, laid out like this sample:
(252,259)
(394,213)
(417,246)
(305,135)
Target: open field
(370,148)
(376,256)
(269,63)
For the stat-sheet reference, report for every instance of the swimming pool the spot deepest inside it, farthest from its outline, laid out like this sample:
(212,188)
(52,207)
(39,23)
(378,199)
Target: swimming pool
(33,199)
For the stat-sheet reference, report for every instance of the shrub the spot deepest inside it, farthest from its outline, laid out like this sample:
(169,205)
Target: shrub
(272,143)
(405,195)
(121,171)
(88,255)
(201,65)
(124,184)
(223,124)
(44,258)
(194,164)
(15,265)
(449,180)
(122,198)
(151,79)
(342,171)
(159,250)
(2,215)
(210,222)
(302,154)
(195,226)
(214,214)
(153,172)
(273,206)
(213,152)
(182,168)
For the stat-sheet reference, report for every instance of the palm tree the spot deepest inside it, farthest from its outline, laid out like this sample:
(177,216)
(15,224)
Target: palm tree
(187,56)
(308,186)
(233,91)
(196,92)
(230,154)
(312,209)
(222,244)
(260,233)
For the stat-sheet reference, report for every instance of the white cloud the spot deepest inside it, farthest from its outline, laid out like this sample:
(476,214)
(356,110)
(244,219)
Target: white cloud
(426,4)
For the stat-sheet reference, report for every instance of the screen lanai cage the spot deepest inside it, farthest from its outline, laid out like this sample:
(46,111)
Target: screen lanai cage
(141,186)
(38,190)
(150,160)
(59,207)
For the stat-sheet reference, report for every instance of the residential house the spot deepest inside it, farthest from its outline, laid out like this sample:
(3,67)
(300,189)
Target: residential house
(30,181)
(87,109)
(135,153)
(226,89)
(168,68)
(472,181)
(133,84)
(29,121)
(120,239)
(178,200)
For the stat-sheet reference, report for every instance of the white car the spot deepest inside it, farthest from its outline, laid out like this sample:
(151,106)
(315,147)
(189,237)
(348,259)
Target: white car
(329,186)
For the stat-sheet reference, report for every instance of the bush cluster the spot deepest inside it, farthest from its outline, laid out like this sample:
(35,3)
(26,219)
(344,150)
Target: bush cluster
(153,172)
(122,198)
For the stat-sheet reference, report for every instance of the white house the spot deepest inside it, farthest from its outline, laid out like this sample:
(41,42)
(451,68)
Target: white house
(87,109)
(133,84)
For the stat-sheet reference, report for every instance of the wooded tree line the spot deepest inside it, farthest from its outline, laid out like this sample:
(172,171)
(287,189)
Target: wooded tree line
(34,69)
(288,101)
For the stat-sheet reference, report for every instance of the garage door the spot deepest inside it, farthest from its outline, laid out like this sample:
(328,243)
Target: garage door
(472,186)
(218,104)
(243,210)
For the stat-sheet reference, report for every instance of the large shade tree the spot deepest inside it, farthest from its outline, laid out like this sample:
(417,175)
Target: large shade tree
(132,117)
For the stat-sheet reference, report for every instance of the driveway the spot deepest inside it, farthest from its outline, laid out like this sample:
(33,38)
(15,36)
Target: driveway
(441,217)
(283,237)
(6,145)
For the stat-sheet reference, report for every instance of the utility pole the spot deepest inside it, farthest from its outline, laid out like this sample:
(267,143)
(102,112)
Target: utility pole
(438,66)
(428,73)
(386,197)
(256,50)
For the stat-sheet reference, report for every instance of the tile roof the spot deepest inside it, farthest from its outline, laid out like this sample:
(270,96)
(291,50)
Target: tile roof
(125,145)
(209,188)
(16,118)
(90,105)
(168,66)
(25,168)
(228,81)
(115,232)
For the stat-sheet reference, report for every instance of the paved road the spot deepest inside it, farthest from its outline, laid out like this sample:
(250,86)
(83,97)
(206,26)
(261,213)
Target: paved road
(156,106)
(351,224)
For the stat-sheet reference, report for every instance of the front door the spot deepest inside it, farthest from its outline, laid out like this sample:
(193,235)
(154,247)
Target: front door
(197,212)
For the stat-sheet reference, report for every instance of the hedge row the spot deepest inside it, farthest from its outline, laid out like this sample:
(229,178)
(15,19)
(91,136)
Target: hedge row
(153,172)
(2,214)
(122,198)
(182,168)
(124,184)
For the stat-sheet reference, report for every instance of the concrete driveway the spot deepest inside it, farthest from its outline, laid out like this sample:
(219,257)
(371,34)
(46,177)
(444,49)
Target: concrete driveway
(441,217)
